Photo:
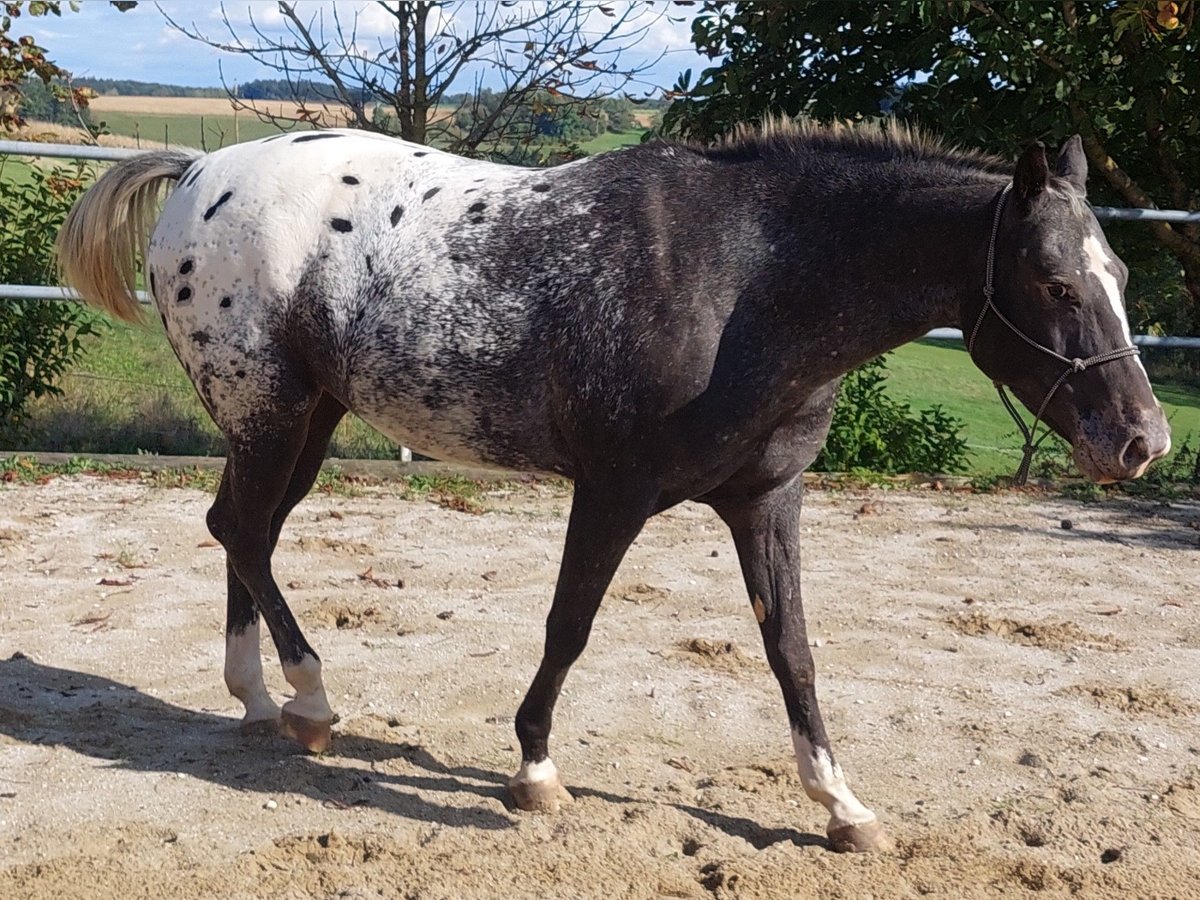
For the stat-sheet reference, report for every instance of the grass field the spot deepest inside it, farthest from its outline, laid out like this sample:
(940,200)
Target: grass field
(611,141)
(211,132)
(929,372)
(130,395)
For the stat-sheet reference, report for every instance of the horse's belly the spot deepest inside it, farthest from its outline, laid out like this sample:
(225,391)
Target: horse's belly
(463,432)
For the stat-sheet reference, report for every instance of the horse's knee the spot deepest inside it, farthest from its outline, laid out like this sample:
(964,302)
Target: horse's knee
(220,521)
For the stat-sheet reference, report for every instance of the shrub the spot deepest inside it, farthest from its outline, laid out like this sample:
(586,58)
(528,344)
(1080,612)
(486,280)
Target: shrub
(39,339)
(875,432)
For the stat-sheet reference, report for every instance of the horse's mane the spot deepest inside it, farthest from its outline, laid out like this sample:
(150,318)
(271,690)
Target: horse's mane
(888,140)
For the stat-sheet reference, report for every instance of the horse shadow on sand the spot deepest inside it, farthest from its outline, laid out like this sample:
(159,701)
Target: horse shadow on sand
(119,725)
(1125,521)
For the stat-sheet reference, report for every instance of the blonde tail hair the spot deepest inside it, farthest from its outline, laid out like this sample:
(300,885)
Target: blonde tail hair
(107,230)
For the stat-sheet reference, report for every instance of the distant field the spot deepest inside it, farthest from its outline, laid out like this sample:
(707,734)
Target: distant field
(196,106)
(210,132)
(211,122)
(611,141)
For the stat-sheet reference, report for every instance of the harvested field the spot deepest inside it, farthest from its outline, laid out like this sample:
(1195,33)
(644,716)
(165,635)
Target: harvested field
(1017,701)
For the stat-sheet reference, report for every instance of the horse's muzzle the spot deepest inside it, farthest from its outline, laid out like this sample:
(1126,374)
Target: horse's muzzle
(1125,453)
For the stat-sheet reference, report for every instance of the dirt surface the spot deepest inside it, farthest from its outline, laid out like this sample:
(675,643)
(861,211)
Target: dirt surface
(1016,700)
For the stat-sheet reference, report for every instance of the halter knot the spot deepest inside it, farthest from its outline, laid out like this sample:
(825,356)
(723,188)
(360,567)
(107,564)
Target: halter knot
(1078,365)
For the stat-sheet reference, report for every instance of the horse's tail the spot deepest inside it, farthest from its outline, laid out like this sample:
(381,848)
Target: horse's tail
(107,229)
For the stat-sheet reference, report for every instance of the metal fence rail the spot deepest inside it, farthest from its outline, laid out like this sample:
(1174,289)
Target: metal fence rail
(67,151)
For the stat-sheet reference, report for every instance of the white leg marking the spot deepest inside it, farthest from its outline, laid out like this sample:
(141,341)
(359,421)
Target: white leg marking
(305,679)
(244,675)
(823,781)
(537,772)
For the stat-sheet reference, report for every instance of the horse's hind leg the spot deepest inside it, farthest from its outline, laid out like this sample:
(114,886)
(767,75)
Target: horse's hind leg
(243,661)
(272,462)
(765,530)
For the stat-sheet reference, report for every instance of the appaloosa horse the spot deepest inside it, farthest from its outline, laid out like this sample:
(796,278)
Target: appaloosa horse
(662,324)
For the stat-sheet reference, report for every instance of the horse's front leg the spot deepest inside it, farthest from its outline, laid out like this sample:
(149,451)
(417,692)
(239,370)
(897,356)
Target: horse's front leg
(765,530)
(603,524)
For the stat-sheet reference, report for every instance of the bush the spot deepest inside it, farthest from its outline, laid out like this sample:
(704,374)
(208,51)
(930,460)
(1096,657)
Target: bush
(872,431)
(39,339)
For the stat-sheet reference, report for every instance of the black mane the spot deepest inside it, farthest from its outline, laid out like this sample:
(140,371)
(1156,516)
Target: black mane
(867,141)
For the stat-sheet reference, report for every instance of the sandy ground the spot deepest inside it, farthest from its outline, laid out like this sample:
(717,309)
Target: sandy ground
(1018,702)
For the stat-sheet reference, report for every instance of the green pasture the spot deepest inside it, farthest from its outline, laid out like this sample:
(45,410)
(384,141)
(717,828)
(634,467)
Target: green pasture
(928,372)
(17,169)
(187,130)
(611,141)
(130,395)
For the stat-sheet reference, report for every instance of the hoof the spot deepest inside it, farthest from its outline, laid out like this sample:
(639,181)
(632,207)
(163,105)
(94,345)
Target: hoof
(260,727)
(869,837)
(539,796)
(315,737)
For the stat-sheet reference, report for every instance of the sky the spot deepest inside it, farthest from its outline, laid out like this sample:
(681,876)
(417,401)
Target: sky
(101,42)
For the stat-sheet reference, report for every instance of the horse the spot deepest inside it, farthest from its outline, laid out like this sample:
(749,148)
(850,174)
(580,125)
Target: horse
(665,323)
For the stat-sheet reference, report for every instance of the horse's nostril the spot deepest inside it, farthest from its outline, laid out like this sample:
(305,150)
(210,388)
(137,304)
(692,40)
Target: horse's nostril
(1136,453)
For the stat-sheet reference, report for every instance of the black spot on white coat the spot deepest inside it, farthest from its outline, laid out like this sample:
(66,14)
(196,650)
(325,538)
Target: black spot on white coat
(341,225)
(221,201)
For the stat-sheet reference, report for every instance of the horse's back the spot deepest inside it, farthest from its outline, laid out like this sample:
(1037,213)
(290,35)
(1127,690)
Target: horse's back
(337,257)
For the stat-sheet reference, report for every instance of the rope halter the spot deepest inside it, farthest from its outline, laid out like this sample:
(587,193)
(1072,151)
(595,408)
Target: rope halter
(1071,366)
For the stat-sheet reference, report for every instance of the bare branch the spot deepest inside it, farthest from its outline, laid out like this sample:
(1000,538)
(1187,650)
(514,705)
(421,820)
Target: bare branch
(500,66)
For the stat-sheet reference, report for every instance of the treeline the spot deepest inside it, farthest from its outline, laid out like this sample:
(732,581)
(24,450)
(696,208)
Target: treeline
(39,102)
(125,87)
(257,89)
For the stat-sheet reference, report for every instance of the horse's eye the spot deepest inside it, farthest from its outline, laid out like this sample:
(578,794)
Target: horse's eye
(1058,291)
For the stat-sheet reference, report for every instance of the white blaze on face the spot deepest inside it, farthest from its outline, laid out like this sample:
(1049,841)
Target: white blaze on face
(824,782)
(1098,263)
(244,675)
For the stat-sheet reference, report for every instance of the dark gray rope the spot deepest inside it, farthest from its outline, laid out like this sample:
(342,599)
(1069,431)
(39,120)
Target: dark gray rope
(1072,365)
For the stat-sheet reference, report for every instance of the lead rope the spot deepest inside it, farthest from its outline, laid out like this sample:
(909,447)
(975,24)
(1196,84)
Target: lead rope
(1072,365)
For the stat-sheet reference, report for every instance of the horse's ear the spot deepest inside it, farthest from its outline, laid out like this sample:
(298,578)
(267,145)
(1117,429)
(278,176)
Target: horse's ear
(1072,164)
(1031,176)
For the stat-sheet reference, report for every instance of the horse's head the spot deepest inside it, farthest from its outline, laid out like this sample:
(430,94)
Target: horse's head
(1055,330)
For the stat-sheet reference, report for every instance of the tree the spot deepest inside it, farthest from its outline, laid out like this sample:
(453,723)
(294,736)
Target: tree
(38,340)
(22,59)
(559,55)
(1124,75)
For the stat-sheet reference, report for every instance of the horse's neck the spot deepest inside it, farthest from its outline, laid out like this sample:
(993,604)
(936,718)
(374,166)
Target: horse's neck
(904,268)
